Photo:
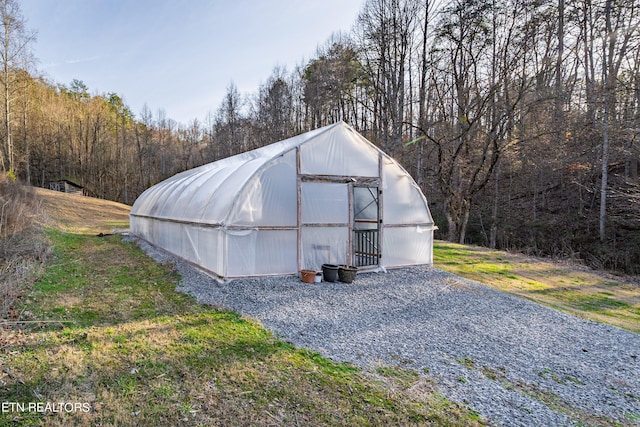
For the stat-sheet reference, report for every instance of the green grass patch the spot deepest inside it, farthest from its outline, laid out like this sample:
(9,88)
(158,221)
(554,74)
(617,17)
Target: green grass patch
(117,224)
(403,376)
(114,333)
(582,293)
(590,303)
(594,303)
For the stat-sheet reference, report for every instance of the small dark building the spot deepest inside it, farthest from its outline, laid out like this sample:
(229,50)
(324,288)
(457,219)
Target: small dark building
(66,186)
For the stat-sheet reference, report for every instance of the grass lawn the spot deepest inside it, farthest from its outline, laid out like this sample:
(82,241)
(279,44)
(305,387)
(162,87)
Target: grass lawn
(108,330)
(581,292)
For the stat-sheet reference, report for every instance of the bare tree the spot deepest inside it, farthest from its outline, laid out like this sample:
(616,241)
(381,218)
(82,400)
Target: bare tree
(273,109)
(228,122)
(621,25)
(479,89)
(386,30)
(328,82)
(15,39)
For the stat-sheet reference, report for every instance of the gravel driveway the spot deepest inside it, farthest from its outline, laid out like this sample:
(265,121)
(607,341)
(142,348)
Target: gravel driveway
(499,354)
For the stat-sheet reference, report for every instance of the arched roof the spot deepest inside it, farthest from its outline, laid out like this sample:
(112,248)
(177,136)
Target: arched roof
(258,188)
(187,196)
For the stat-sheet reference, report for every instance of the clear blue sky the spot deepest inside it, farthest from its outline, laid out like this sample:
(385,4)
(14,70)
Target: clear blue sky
(179,55)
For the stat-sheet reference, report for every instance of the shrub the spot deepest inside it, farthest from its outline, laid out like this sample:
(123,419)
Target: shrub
(23,245)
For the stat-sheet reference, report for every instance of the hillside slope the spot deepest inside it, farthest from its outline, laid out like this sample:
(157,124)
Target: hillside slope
(81,214)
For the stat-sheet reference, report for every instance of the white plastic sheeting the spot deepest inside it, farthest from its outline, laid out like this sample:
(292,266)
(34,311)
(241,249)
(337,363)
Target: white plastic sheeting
(269,197)
(261,252)
(342,154)
(324,245)
(324,203)
(285,207)
(407,245)
(403,200)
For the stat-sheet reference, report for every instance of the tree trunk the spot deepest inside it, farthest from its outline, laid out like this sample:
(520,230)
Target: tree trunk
(7,109)
(559,92)
(457,210)
(605,167)
(493,233)
(27,159)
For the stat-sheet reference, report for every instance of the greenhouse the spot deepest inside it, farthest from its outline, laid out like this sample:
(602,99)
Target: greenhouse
(326,196)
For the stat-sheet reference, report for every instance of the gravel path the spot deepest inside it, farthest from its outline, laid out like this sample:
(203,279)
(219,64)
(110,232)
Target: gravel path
(515,362)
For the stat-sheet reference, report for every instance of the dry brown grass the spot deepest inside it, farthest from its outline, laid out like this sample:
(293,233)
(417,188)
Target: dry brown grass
(19,208)
(81,214)
(23,245)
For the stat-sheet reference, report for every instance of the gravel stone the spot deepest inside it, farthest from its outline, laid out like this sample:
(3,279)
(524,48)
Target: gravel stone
(515,362)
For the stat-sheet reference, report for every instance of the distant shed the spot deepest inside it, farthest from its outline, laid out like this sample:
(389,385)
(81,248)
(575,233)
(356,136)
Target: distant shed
(66,186)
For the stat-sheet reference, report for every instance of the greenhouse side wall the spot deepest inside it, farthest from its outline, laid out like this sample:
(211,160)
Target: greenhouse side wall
(203,246)
(261,252)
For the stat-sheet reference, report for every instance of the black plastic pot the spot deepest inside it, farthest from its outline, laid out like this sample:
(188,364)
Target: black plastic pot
(347,273)
(330,272)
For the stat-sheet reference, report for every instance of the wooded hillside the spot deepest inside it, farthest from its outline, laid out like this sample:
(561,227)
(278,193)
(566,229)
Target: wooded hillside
(520,120)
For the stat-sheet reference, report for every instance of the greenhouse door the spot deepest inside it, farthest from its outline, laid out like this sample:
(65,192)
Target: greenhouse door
(366,226)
